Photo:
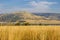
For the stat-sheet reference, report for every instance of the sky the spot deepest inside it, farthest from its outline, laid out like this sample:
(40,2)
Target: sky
(37,6)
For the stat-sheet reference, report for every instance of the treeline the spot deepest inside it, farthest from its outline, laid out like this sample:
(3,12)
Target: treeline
(23,24)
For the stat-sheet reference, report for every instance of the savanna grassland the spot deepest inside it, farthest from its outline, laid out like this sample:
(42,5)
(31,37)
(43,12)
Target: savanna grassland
(29,32)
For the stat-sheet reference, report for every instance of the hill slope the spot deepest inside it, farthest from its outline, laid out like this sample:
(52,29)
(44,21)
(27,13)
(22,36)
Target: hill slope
(13,17)
(51,16)
(28,17)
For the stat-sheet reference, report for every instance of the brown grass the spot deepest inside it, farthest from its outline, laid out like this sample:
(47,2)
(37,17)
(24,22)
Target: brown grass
(29,32)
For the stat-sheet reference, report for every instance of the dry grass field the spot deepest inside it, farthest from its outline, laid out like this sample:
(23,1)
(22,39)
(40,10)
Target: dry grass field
(29,32)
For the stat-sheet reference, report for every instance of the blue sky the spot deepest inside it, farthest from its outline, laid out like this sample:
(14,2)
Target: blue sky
(42,6)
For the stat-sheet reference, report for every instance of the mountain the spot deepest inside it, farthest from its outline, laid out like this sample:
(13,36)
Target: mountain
(13,17)
(32,18)
(51,16)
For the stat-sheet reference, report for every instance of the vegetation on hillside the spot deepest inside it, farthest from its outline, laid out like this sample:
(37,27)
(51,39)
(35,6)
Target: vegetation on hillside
(26,18)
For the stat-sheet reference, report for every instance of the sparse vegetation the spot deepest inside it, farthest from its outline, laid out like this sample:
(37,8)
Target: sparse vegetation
(30,18)
(26,23)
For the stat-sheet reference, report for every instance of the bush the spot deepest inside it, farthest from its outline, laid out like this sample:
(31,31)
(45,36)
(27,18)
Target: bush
(26,23)
(17,23)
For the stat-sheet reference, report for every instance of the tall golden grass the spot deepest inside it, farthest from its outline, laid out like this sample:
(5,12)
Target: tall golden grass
(29,32)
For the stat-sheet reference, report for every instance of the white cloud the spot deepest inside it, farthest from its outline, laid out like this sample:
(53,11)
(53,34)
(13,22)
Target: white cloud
(42,6)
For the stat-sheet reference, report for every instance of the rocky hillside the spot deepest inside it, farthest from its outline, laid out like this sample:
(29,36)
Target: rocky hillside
(28,17)
(13,17)
(51,16)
